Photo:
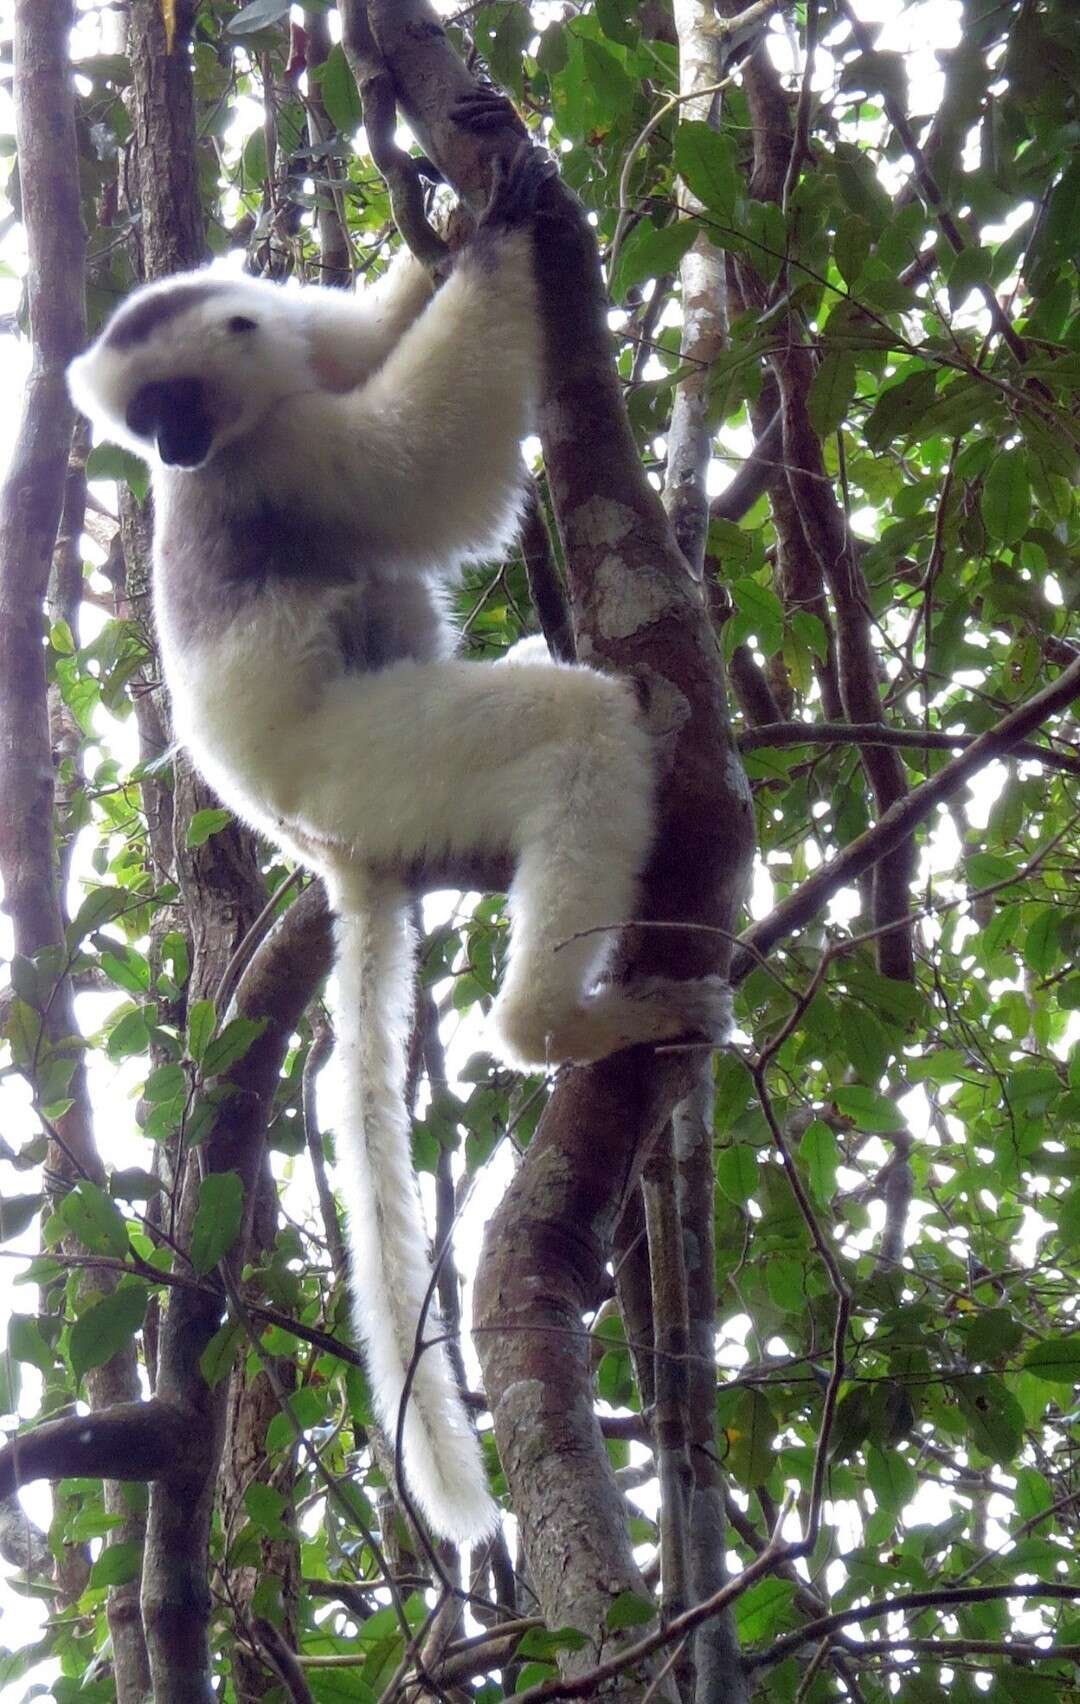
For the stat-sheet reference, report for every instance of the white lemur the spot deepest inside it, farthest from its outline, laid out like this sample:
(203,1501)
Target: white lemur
(322,464)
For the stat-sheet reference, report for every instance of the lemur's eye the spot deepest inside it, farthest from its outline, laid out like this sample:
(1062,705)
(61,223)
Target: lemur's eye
(240,322)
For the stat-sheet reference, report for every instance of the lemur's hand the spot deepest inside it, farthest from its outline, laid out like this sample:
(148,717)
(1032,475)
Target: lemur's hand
(517,185)
(486,110)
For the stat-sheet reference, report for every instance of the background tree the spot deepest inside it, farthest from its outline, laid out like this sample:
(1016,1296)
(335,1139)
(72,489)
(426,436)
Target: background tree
(810,1305)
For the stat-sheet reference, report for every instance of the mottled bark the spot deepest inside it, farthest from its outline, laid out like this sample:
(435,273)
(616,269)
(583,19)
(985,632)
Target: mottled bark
(176,1599)
(31,503)
(701,281)
(719,1677)
(636,609)
(252,1405)
(335,255)
(679,1188)
(41,515)
(818,549)
(171,232)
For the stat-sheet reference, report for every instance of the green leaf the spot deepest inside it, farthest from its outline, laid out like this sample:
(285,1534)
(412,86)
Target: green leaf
(99,907)
(1057,1361)
(1006,496)
(737,1172)
(751,1433)
(231,1045)
(764,1611)
(763,610)
(765,230)
(307,1408)
(10,1383)
(616,91)
(266,1507)
(337,86)
(258,15)
(202,1020)
(553,53)
(109,461)
(890,1478)
(831,391)
(1033,1493)
(205,823)
(649,251)
(25,1343)
(168,1081)
(707,164)
(62,639)
(117,1564)
(1041,944)
(868,1110)
(994,1417)
(539,1643)
(615,20)
(16,1213)
(820,1152)
(218,1219)
(851,246)
(993,1334)
(130,1036)
(127,968)
(900,408)
(88,1213)
(106,1327)
(630,1610)
(972,267)
(216,1360)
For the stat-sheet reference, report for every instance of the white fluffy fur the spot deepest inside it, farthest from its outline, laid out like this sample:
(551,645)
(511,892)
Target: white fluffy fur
(401,422)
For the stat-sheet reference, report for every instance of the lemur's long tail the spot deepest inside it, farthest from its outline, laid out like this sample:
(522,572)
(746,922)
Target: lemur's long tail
(390,1268)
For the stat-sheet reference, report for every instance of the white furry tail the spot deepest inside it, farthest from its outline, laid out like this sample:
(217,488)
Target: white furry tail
(390,1268)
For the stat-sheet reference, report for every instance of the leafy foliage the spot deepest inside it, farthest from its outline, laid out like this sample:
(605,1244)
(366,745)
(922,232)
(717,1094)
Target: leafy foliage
(932,1122)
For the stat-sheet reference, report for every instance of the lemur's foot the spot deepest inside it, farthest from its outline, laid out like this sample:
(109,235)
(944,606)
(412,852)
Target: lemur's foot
(487,110)
(651,1010)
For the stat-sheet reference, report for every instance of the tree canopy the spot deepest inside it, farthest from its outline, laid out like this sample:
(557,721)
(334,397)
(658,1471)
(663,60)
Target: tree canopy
(778,1350)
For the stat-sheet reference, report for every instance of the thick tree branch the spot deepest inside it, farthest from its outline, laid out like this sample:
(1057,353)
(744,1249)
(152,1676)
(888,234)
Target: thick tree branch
(545,587)
(635,609)
(752,479)
(378,99)
(31,502)
(133,1441)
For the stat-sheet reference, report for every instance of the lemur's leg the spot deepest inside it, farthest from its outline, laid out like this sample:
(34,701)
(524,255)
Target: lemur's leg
(584,845)
(552,764)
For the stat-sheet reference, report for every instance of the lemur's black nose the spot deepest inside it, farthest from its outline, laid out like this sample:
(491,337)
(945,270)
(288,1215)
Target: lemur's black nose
(175,413)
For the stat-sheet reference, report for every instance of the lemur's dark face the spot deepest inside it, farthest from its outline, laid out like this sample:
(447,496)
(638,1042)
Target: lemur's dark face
(176,416)
(188,366)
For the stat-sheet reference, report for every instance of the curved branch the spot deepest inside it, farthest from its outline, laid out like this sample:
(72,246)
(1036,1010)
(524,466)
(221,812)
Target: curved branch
(875,733)
(134,1440)
(900,820)
(941,1597)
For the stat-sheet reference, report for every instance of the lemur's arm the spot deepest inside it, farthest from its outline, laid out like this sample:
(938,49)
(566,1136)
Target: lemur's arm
(429,448)
(352,334)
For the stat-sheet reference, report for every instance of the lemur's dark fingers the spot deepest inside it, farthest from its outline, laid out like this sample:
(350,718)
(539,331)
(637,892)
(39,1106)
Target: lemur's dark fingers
(517,185)
(487,110)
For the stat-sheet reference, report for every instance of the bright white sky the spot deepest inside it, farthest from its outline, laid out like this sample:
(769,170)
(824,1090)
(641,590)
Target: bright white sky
(920,31)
